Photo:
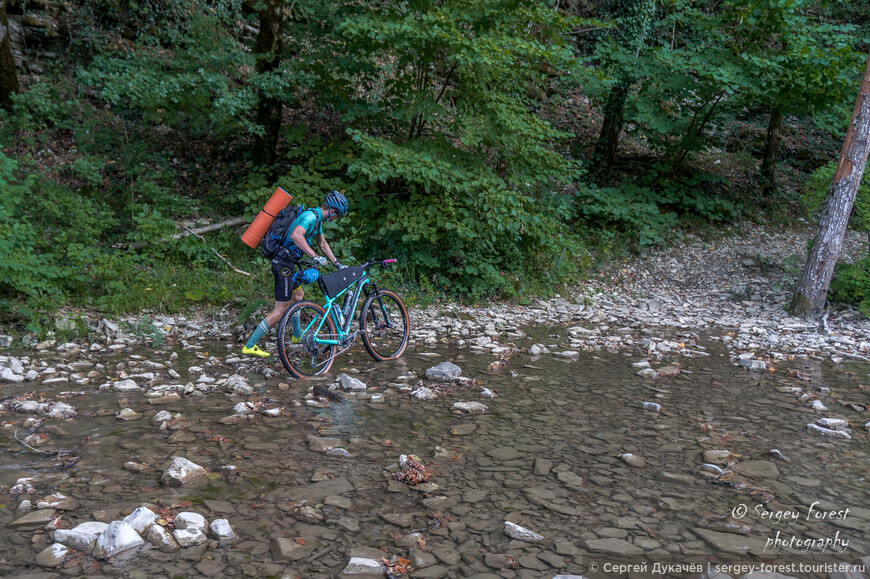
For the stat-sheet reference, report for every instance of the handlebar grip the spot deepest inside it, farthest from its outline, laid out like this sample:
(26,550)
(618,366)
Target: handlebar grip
(389,261)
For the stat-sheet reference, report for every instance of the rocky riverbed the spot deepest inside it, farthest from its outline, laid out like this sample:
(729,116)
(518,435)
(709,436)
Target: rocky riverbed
(631,418)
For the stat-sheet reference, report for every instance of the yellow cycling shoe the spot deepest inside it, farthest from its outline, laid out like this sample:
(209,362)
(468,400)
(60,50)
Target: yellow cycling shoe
(255,351)
(295,340)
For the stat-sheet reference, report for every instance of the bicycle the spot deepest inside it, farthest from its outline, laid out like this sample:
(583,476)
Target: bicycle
(321,330)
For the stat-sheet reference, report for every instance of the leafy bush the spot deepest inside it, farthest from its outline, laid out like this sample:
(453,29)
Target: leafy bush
(816,190)
(851,284)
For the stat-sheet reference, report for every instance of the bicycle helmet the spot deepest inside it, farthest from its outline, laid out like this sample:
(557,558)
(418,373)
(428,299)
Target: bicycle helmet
(337,201)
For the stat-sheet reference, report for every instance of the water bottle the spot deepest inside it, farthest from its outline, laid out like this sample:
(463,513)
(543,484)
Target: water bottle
(338,314)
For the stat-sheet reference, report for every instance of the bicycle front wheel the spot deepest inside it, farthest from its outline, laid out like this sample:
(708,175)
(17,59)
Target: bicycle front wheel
(384,325)
(300,332)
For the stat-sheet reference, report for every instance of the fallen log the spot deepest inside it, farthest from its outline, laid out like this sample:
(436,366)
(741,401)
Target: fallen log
(198,231)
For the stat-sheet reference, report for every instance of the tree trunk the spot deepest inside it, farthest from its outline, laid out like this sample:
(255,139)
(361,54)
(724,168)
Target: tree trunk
(636,22)
(267,48)
(608,140)
(8,74)
(809,299)
(771,151)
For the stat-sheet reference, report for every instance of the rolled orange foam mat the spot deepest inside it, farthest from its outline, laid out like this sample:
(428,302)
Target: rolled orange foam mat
(256,230)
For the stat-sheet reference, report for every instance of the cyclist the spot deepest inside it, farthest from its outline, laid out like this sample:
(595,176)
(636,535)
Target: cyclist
(307,227)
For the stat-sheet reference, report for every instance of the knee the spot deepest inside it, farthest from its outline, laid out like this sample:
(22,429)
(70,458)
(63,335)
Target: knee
(298,295)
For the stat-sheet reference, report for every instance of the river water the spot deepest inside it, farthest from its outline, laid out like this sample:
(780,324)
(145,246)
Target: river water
(549,455)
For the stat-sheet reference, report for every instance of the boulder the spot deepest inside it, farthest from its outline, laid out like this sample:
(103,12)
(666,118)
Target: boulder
(443,372)
(471,407)
(351,384)
(117,538)
(81,537)
(222,531)
(52,556)
(182,471)
(161,539)
(141,519)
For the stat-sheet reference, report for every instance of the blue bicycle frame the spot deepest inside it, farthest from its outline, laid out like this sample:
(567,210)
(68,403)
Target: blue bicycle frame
(342,320)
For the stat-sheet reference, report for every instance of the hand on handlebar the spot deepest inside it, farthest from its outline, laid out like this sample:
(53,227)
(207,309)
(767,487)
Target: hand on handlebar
(339,265)
(319,260)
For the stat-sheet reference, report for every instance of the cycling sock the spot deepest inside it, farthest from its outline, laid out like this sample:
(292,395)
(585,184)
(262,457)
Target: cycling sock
(297,328)
(261,331)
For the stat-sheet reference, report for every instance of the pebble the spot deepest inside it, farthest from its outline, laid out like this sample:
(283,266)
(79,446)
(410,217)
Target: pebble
(519,533)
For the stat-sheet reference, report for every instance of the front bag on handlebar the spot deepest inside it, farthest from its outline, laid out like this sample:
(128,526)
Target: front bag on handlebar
(332,284)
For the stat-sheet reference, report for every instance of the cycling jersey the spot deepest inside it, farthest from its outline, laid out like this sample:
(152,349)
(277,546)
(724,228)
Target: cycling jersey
(311,221)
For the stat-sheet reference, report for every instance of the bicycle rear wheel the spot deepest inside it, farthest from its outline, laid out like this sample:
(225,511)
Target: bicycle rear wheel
(384,325)
(308,357)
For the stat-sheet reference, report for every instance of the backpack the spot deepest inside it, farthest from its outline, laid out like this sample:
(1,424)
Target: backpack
(273,241)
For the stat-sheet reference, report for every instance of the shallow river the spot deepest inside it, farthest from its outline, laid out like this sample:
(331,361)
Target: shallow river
(547,456)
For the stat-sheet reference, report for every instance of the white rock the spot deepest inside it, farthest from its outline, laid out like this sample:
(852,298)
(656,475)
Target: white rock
(521,533)
(31,375)
(125,386)
(162,416)
(189,538)
(243,408)
(62,410)
(222,531)
(235,383)
(141,519)
(487,393)
(568,355)
(363,566)
(7,375)
(377,398)
(351,384)
(117,538)
(444,372)
(423,393)
(836,423)
(754,365)
(162,539)
(128,414)
(471,407)
(182,471)
(81,537)
(189,521)
(829,432)
(648,373)
(818,406)
(273,412)
(641,365)
(52,556)
(29,407)
(651,406)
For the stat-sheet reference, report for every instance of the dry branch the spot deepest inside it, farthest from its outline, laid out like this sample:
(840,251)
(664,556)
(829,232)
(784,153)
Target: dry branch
(199,230)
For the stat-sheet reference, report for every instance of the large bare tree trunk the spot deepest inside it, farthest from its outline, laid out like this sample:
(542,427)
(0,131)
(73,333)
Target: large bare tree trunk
(8,74)
(771,150)
(267,47)
(809,299)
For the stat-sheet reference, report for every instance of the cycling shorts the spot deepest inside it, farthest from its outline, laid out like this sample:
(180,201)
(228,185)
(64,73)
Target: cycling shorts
(283,272)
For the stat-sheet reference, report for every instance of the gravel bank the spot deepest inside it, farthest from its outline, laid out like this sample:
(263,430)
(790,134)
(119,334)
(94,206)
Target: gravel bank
(732,289)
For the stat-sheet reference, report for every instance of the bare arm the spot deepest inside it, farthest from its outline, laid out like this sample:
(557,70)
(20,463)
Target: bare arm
(297,236)
(325,249)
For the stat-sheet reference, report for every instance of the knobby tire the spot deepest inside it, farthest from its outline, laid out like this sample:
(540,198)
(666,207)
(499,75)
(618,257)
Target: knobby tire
(293,355)
(384,343)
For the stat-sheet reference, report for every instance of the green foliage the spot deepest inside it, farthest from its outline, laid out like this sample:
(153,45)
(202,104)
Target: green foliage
(628,211)
(816,190)
(851,284)
(206,85)
(446,124)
